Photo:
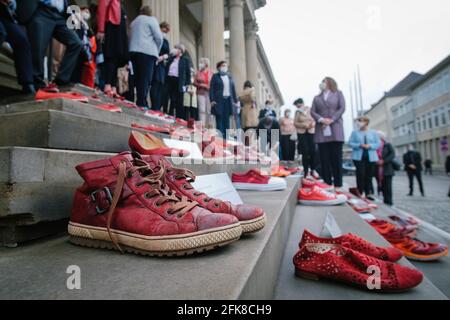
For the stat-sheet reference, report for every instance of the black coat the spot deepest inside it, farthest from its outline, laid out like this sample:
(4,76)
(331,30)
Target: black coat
(27,8)
(264,112)
(388,155)
(160,69)
(6,14)
(413,158)
(184,71)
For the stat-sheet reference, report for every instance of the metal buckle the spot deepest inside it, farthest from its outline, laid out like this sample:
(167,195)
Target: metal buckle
(94,199)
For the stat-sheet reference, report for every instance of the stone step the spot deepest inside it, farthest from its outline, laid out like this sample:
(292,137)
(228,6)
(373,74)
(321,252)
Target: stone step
(290,287)
(62,130)
(246,269)
(37,186)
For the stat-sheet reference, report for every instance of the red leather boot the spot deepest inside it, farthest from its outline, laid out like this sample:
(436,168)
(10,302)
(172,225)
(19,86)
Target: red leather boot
(252,218)
(125,205)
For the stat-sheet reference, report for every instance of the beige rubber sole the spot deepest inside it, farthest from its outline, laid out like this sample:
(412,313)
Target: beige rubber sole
(253,226)
(180,245)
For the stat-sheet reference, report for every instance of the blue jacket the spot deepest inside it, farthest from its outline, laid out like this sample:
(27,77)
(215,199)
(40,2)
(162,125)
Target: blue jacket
(357,139)
(216,94)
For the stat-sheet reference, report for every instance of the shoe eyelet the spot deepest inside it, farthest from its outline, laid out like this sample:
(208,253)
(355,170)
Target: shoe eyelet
(216,205)
(137,185)
(147,196)
(129,175)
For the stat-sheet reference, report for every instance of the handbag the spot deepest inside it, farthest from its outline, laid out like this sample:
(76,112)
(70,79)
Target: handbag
(396,165)
(294,137)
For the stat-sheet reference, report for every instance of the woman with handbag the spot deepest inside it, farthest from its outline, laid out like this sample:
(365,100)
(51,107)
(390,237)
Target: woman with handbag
(306,128)
(387,165)
(287,142)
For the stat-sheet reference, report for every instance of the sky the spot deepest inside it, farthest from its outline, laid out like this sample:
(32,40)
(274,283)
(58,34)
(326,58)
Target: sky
(307,40)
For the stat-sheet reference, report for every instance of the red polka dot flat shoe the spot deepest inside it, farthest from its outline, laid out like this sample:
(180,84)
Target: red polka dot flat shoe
(334,262)
(355,243)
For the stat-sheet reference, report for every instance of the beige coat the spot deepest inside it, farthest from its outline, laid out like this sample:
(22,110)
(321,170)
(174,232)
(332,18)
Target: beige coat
(303,120)
(249,111)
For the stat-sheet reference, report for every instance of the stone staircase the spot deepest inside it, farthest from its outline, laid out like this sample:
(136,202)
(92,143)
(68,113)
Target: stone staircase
(42,142)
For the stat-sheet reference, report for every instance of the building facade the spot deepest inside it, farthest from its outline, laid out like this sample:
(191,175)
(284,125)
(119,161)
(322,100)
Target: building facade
(423,119)
(381,116)
(216,29)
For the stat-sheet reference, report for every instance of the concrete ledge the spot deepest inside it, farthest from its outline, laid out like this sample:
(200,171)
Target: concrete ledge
(292,288)
(246,269)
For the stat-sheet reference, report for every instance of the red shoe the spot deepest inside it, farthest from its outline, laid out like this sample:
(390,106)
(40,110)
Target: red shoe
(357,194)
(387,229)
(355,243)
(152,128)
(181,122)
(51,88)
(414,249)
(109,107)
(44,95)
(150,145)
(213,150)
(255,180)
(252,218)
(338,263)
(405,222)
(319,197)
(359,205)
(309,184)
(125,205)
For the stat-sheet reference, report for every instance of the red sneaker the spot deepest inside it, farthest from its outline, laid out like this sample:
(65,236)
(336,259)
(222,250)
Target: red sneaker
(309,184)
(44,95)
(338,263)
(355,243)
(414,249)
(319,197)
(125,205)
(255,180)
(252,218)
(150,145)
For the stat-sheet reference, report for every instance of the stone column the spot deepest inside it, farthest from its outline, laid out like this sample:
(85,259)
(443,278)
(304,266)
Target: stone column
(237,43)
(212,31)
(167,10)
(251,48)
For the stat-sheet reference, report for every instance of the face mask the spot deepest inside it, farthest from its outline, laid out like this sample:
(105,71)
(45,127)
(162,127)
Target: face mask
(323,86)
(361,125)
(86,15)
(202,66)
(174,52)
(223,70)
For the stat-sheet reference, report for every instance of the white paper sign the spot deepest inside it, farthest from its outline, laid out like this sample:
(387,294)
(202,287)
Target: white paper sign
(331,227)
(218,186)
(367,216)
(192,147)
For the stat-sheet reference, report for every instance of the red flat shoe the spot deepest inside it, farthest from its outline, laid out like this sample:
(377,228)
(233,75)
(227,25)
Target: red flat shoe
(355,243)
(44,95)
(150,145)
(342,264)
(109,107)
(152,128)
(359,206)
(357,194)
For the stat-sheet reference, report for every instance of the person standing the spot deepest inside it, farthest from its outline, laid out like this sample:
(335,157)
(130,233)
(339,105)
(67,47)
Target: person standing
(223,96)
(287,142)
(249,113)
(447,170)
(429,167)
(202,83)
(112,34)
(178,78)
(157,92)
(13,34)
(386,170)
(327,110)
(413,166)
(306,127)
(365,143)
(268,127)
(46,19)
(268,110)
(146,41)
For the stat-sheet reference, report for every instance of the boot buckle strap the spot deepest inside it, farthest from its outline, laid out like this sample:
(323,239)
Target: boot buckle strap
(98,197)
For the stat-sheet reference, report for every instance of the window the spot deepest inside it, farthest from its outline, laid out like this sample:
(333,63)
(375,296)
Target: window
(419,125)
(436,118)
(430,122)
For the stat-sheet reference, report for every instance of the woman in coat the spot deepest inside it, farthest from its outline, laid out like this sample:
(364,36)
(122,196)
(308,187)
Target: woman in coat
(202,82)
(249,114)
(327,110)
(306,127)
(386,169)
(365,144)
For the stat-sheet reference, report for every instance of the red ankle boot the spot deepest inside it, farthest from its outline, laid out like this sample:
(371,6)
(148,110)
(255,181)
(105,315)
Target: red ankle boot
(252,218)
(125,205)
(334,262)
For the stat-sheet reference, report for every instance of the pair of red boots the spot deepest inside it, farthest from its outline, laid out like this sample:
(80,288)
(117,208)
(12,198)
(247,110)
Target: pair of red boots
(144,205)
(352,260)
